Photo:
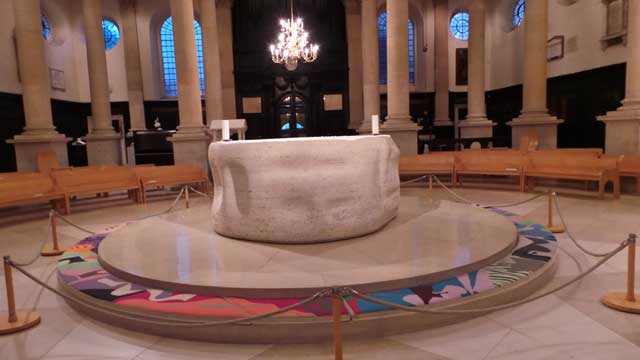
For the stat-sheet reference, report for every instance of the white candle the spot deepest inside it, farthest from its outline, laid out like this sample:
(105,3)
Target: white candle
(375,124)
(225,130)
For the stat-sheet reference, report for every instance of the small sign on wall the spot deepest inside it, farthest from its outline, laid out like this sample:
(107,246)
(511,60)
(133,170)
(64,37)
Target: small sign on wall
(332,102)
(555,48)
(251,105)
(56,77)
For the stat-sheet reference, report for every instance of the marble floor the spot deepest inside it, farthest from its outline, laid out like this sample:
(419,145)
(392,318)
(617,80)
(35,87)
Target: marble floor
(568,325)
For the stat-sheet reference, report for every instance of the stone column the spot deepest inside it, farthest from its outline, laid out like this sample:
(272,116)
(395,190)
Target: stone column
(442,63)
(225,38)
(103,143)
(399,124)
(477,125)
(39,133)
(370,64)
(211,53)
(535,117)
(354,43)
(132,61)
(623,124)
(190,141)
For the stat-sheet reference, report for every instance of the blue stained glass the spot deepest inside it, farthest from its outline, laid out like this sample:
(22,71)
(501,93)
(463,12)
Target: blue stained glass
(518,12)
(287,127)
(460,26)
(46,28)
(382,48)
(169,57)
(111,34)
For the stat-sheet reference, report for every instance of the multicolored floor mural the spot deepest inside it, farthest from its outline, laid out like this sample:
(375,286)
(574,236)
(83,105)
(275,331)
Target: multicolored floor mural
(80,269)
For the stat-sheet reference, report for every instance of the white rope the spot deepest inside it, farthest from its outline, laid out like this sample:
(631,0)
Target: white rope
(467,201)
(413,180)
(575,242)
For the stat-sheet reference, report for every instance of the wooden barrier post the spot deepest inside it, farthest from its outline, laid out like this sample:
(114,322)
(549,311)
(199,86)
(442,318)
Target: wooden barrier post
(14,321)
(550,226)
(626,301)
(186,196)
(336,307)
(431,186)
(54,236)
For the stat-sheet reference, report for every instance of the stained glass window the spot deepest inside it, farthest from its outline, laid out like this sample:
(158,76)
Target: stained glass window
(111,34)
(382,48)
(46,28)
(518,12)
(460,26)
(169,57)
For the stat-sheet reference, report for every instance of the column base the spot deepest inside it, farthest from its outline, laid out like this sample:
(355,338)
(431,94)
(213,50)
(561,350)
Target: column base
(541,123)
(622,130)
(191,149)
(103,149)
(476,128)
(404,133)
(27,148)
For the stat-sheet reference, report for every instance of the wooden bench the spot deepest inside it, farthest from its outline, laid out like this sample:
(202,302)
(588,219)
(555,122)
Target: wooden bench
(587,152)
(170,175)
(437,163)
(494,163)
(96,180)
(629,166)
(28,188)
(559,165)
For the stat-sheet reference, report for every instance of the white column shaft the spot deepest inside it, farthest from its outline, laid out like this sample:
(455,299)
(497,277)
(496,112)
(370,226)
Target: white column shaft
(370,63)
(211,53)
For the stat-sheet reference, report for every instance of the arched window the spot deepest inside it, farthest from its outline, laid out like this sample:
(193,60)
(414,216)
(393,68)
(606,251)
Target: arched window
(459,26)
(111,34)
(169,57)
(382,48)
(46,28)
(518,12)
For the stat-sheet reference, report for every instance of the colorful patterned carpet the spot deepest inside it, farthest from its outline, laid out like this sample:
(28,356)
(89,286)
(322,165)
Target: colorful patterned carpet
(80,270)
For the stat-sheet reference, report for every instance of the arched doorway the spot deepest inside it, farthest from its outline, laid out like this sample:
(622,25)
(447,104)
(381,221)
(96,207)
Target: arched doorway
(292,115)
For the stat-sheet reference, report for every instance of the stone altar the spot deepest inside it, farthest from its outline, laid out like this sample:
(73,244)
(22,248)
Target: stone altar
(304,190)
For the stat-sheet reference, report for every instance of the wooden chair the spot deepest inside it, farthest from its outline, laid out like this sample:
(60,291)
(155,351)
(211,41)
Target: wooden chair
(572,166)
(629,166)
(27,188)
(96,180)
(155,176)
(494,163)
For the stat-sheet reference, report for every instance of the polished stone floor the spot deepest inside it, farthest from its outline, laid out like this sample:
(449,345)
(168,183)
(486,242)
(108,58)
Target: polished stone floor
(181,248)
(568,325)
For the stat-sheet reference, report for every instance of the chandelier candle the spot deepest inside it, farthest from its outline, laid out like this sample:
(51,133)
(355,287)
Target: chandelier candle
(293,44)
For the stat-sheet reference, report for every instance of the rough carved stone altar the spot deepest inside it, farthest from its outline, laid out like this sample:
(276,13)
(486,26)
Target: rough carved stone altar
(304,190)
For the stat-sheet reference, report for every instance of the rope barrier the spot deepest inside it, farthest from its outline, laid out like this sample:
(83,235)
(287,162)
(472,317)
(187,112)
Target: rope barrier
(413,180)
(467,201)
(187,323)
(579,277)
(575,242)
(198,192)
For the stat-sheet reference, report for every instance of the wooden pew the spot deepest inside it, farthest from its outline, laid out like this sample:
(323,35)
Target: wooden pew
(496,163)
(436,163)
(574,166)
(28,188)
(170,175)
(588,152)
(96,180)
(629,166)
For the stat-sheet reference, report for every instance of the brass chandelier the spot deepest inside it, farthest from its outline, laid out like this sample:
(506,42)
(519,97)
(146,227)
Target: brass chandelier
(293,44)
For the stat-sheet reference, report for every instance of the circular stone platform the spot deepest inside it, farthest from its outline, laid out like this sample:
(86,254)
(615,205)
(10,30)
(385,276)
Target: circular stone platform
(181,252)
(131,305)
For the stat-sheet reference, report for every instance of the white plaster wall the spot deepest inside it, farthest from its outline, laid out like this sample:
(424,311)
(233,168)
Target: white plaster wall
(582,23)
